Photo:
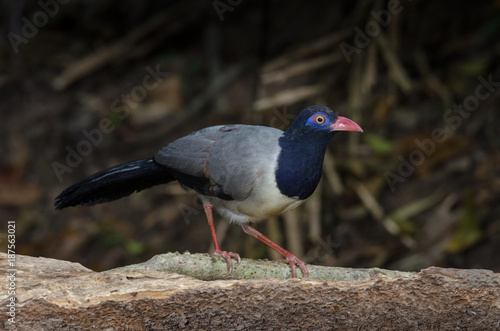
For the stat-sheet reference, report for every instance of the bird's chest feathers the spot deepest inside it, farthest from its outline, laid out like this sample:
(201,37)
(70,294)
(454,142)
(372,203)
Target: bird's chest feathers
(265,200)
(299,168)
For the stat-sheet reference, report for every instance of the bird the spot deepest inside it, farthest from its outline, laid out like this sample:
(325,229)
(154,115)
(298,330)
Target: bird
(247,173)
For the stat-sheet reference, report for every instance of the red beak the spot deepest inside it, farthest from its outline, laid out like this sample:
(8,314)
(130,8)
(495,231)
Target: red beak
(345,124)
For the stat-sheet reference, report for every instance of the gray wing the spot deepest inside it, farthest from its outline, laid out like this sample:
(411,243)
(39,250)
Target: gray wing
(188,154)
(225,161)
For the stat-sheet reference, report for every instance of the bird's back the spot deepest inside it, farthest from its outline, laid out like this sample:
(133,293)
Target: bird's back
(235,157)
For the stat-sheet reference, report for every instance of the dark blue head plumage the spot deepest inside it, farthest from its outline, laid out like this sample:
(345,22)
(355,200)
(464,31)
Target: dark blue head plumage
(303,148)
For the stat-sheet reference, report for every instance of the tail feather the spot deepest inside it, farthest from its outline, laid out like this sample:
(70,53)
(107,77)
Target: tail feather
(114,183)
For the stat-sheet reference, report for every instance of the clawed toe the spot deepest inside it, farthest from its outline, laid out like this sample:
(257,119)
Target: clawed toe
(293,260)
(228,256)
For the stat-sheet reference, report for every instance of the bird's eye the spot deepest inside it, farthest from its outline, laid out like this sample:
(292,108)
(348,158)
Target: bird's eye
(320,119)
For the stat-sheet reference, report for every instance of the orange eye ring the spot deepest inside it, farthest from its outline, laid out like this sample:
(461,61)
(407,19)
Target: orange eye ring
(320,119)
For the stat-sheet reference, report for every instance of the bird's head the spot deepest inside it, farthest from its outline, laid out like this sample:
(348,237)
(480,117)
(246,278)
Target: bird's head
(303,148)
(320,120)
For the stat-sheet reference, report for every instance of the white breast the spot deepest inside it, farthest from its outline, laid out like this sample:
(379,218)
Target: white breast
(264,201)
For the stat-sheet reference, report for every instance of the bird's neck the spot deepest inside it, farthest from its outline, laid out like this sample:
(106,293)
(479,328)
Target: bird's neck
(300,164)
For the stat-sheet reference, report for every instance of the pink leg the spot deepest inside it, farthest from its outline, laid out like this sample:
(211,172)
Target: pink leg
(227,255)
(289,257)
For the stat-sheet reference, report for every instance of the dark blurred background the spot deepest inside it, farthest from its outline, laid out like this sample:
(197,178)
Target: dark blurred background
(87,85)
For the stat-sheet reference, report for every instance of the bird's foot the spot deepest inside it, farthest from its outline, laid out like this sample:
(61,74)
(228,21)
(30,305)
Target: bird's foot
(294,260)
(228,256)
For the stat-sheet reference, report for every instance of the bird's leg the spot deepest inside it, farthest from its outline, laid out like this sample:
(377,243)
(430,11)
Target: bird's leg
(289,257)
(227,255)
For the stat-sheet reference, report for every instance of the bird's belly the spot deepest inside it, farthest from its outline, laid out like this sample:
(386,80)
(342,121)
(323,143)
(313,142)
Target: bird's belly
(253,211)
(260,208)
(264,202)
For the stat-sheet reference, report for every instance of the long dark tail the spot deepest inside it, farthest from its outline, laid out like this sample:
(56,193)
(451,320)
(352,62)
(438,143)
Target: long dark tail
(114,183)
